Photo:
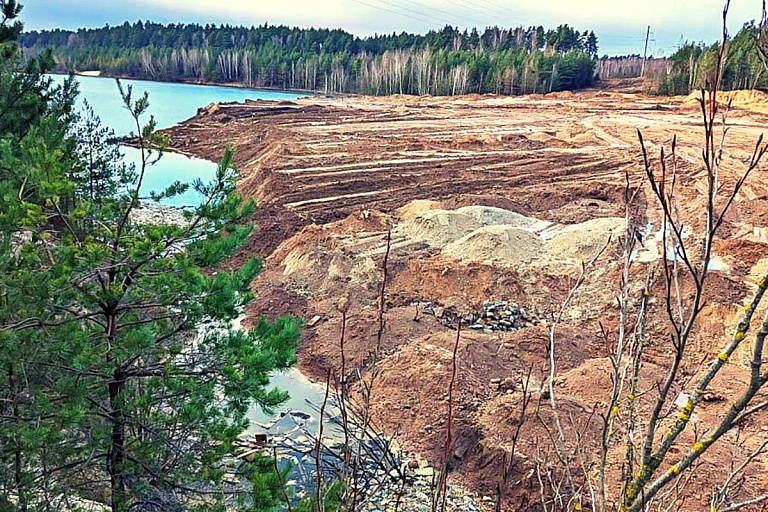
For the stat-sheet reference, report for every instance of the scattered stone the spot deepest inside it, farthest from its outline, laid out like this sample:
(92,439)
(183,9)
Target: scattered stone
(425,472)
(300,415)
(682,399)
(154,213)
(495,316)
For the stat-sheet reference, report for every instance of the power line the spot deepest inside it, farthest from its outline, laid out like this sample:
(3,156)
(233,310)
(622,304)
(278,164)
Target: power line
(362,2)
(511,11)
(412,11)
(473,12)
(463,5)
(434,9)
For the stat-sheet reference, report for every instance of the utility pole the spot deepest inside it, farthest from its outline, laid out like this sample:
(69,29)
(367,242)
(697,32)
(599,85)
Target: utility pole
(645,52)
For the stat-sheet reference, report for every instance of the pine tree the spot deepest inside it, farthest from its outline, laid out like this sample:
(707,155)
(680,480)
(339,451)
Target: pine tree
(331,60)
(99,170)
(122,378)
(591,45)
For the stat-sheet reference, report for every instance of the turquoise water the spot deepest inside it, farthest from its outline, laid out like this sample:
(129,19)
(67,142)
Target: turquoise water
(172,103)
(169,103)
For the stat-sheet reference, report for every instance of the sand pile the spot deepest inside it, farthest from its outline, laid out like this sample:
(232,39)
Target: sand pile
(440,227)
(583,241)
(418,207)
(504,246)
(752,100)
(505,238)
(490,216)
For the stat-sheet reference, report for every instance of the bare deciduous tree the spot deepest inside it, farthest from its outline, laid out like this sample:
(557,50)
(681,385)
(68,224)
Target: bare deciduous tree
(658,463)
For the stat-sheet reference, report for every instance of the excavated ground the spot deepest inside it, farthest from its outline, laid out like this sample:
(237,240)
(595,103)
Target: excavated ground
(332,176)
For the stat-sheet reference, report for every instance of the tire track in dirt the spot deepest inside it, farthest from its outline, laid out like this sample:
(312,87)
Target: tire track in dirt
(560,158)
(319,159)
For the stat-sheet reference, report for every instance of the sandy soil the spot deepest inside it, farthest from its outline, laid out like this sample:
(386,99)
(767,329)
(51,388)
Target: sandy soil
(332,176)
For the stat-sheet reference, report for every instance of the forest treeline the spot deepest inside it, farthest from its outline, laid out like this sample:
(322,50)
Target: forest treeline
(444,62)
(124,380)
(693,65)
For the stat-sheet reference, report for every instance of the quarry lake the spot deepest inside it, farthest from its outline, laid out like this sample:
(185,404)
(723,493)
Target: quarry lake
(292,428)
(170,104)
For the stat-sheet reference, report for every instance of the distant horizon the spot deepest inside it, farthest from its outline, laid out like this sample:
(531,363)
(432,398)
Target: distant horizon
(437,29)
(619,26)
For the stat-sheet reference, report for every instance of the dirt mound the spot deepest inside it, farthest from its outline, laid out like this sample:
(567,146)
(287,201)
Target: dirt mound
(580,138)
(561,158)
(505,246)
(303,250)
(440,227)
(418,207)
(583,241)
(462,287)
(495,236)
(491,216)
(752,100)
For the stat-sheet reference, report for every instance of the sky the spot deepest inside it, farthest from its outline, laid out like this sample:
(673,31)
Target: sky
(619,24)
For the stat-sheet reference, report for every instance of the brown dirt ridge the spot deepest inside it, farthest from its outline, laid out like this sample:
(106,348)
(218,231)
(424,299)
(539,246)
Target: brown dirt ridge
(488,199)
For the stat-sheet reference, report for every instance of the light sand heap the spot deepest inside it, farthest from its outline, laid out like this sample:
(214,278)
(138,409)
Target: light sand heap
(583,241)
(509,239)
(503,245)
(490,216)
(440,227)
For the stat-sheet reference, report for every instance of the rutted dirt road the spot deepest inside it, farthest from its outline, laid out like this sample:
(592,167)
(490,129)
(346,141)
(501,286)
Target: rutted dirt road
(332,175)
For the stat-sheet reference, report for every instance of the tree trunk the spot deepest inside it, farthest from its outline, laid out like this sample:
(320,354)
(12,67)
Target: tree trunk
(116,455)
(17,460)
(117,449)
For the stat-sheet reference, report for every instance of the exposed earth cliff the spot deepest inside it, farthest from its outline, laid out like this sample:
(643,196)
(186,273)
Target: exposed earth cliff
(493,203)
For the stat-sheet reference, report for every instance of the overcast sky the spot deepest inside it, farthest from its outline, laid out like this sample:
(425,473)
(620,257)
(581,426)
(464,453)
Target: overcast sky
(619,24)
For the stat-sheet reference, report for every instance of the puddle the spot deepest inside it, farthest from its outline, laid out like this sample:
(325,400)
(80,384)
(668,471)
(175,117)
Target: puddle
(716,263)
(292,429)
(305,394)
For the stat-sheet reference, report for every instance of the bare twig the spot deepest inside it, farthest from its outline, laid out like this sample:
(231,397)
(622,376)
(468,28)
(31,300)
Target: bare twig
(720,496)
(318,445)
(561,446)
(279,476)
(443,482)
(368,387)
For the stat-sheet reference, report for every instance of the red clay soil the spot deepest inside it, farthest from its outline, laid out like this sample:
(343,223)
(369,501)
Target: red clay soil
(330,175)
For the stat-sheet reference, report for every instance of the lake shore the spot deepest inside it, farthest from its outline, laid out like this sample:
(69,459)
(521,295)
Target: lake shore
(334,177)
(205,83)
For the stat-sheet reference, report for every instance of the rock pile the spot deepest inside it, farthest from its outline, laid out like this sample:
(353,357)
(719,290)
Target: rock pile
(502,316)
(418,493)
(495,316)
(154,213)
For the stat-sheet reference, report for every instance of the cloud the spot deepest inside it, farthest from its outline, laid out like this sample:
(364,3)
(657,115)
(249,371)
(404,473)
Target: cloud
(620,24)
